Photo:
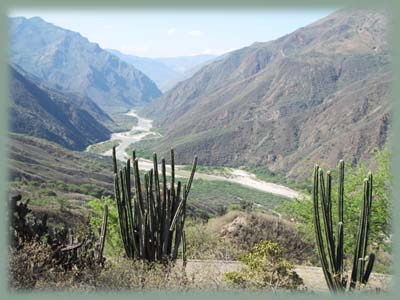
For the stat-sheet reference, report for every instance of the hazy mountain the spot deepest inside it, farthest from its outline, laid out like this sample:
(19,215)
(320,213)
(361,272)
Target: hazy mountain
(182,64)
(68,120)
(154,69)
(70,63)
(165,72)
(316,95)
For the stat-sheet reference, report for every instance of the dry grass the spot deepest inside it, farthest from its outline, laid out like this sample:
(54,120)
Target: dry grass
(244,230)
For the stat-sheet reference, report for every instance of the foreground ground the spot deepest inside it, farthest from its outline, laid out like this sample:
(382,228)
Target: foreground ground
(209,273)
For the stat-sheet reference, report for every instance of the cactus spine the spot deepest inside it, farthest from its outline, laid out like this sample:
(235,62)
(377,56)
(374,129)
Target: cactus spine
(331,247)
(151,215)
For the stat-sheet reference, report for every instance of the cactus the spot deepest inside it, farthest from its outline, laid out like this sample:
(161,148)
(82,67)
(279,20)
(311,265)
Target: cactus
(151,214)
(330,247)
(102,237)
(67,251)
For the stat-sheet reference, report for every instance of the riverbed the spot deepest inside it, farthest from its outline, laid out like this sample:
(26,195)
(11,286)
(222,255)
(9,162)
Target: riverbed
(143,129)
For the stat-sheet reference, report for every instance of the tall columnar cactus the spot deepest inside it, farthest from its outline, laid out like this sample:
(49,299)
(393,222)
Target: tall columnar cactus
(330,246)
(151,213)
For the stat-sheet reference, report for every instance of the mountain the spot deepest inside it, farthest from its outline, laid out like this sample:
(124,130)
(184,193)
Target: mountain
(66,61)
(182,64)
(168,71)
(318,94)
(66,119)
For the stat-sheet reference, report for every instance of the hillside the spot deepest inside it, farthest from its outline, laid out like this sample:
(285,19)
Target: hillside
(36,159)
(320,93)
(66,61)
(65,119)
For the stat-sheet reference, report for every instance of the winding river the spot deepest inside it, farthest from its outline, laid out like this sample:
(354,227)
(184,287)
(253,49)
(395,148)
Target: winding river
(143,129)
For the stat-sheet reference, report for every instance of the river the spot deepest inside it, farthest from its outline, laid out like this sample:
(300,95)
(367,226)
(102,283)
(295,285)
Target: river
(143,129)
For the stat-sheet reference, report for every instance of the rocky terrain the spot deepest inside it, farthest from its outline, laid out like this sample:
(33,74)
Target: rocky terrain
(319,94)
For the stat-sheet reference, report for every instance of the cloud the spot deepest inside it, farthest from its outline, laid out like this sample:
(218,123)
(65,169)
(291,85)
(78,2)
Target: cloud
(195,33)
(108,27)
(171,31)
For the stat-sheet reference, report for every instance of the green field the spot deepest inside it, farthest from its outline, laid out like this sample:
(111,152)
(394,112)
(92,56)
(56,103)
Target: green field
(212,196)
(103,147)
(143,148)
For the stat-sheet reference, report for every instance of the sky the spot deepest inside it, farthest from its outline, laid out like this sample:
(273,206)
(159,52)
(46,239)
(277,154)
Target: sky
(168,33)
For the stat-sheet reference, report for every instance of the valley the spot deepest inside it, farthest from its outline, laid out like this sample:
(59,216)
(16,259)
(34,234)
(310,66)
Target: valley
(143,130)
(254,121)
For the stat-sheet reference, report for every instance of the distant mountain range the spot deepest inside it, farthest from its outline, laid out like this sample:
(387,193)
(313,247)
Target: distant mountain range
(319,94)
(69,120)
(166,71)
(68,62)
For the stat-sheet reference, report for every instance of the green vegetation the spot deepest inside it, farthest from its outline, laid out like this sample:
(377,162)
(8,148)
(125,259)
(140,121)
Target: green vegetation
(143,148)
(265,174)
(42,192)
(209,196)
(380,220)
(213,170)
(103,147)
(265,269)
(113,246)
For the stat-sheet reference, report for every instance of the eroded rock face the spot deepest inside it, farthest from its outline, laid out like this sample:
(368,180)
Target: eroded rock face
(317,94)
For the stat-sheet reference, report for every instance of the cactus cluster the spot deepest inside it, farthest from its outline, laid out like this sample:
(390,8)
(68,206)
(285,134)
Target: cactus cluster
(151,215)
(331,246)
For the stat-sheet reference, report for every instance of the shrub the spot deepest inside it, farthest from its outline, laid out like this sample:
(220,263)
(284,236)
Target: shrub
(265,269)
(41,254)
(114,245)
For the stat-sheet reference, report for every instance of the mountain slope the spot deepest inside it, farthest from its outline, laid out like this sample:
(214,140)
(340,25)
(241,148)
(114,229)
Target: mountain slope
(320,93)
(49,114)
(165,72)
(37,159)
(65,60)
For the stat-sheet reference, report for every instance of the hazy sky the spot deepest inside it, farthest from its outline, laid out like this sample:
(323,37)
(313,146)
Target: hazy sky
(168,33)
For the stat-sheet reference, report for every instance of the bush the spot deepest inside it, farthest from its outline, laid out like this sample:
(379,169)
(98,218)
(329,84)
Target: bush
(113,245)
(202,243)
(265,269)
(45,257)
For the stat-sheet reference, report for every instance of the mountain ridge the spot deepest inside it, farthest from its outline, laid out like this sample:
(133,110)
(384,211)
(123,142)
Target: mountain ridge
(261,104)
(67,61)
(46,113)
